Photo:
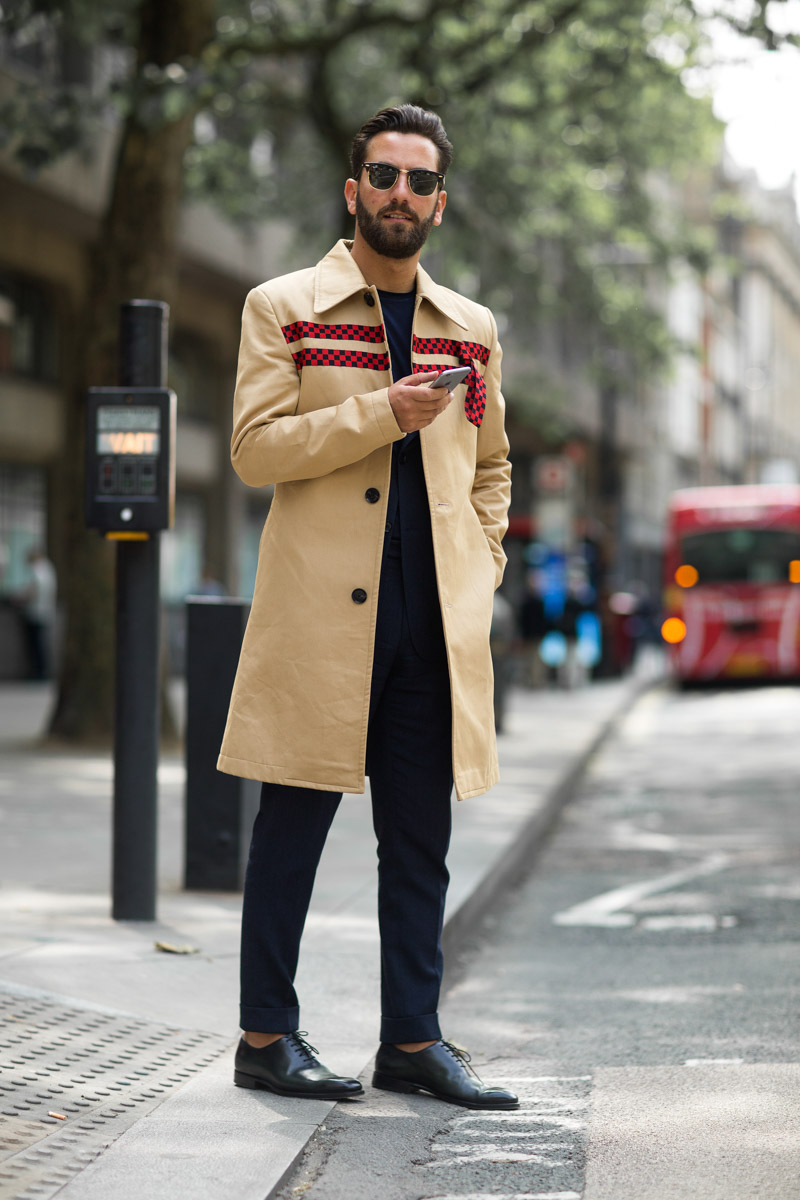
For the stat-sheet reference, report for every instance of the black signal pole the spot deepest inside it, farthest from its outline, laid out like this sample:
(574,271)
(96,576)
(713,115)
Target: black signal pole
(143,363)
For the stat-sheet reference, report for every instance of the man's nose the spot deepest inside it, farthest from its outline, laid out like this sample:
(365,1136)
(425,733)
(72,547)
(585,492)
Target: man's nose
(401,188)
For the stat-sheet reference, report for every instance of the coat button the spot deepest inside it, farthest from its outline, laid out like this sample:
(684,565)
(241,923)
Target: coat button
(358,596)
(402,459)
(388,526)
(369,299)
(372,495)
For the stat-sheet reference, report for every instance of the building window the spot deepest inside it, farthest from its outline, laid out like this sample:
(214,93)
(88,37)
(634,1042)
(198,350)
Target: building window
(23,522)
(193,377)
(28,329)
(182,550)
(249,542)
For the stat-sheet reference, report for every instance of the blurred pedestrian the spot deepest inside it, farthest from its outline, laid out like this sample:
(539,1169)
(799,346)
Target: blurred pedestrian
(501,641)
(571,671)
(533,625)
(38,607)
(367,647)
(622,610)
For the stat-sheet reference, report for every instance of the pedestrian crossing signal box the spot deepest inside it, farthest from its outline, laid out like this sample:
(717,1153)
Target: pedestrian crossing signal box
(130,461)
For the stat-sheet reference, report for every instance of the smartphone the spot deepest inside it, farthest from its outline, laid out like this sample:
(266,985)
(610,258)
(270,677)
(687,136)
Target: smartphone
(452,378)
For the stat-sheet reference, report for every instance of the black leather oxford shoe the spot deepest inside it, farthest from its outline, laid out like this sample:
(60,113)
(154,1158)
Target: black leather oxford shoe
(289,1068)
(442,1070)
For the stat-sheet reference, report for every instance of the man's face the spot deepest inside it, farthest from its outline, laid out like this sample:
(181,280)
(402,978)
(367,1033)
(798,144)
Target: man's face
(396,223)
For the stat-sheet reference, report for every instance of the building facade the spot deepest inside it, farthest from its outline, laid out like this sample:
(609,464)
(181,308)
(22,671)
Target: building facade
(726,411)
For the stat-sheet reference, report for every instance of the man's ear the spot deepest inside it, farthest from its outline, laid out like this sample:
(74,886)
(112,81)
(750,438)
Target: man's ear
(350,192)
(440,207)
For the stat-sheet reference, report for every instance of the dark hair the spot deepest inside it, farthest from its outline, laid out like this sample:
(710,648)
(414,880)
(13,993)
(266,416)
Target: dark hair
(402,118)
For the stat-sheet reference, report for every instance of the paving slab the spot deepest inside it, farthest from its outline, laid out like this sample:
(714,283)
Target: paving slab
(212,1140)
(59,946)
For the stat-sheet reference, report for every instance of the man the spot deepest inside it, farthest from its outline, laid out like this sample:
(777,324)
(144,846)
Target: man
(367,648)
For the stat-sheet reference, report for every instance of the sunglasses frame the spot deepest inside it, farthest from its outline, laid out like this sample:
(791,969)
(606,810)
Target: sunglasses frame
(408,173)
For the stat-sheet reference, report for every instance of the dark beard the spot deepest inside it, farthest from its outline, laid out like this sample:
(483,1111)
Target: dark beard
(400,241)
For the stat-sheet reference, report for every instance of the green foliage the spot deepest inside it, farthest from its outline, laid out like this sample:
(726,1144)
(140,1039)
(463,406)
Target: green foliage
(50,129)
(563,113)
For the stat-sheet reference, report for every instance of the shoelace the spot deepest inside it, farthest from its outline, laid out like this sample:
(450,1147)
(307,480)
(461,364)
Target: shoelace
(461,1054)
(298,1037)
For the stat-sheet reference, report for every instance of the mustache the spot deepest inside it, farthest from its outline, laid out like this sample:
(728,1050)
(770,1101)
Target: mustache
(398,208)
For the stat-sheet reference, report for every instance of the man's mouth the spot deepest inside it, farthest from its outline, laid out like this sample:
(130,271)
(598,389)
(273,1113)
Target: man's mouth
(396,215)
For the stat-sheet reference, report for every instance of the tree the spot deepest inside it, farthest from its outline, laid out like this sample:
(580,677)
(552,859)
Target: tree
(560,110)
(134,255)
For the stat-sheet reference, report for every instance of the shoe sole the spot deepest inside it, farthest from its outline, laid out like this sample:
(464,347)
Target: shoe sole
(388,1083)
(260,1085)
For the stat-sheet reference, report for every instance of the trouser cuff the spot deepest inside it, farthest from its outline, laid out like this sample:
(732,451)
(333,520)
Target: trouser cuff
(269,1020)
(411,1029)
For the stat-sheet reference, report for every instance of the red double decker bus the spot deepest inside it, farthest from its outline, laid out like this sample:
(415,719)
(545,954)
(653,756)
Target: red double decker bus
(732,582)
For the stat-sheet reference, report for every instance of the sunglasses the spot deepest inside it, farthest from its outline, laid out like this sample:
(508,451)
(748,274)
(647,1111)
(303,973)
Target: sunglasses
(384,176)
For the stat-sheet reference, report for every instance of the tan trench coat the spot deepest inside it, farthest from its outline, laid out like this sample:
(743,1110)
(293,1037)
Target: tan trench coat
(312,416)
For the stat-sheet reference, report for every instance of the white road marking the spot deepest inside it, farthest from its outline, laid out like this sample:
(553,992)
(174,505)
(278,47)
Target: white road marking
(714,1062)
(772,891)
(510,1137)
(627,836)
(488,1148)
(673,995)
(545,1079)
(641,723)
(509,1196)
(604,910)
(496,1156)
(551,1102)
(528,1118)
(676,902)
(700,922)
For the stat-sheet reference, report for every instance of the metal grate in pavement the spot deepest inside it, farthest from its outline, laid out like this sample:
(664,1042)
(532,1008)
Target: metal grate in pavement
(99,1072)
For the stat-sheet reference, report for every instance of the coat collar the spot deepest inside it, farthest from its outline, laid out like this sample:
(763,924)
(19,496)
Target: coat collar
(337,278)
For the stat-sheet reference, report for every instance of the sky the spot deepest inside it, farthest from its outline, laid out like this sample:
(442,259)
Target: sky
(756,92)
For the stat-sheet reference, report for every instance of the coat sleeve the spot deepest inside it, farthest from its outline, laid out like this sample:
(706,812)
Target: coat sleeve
(491,488)
(271,441)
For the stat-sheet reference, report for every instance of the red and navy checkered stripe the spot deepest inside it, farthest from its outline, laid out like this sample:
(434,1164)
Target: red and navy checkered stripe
(466,353)
(463,351)
(329,356)
(335,356)
(332,333)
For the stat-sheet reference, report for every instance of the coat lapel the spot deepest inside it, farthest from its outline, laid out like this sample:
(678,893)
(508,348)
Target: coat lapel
(338,278)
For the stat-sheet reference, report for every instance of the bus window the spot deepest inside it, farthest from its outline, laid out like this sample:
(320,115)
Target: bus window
(741,555)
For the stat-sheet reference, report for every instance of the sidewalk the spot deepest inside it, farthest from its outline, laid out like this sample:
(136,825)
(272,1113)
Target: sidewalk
(103,1030)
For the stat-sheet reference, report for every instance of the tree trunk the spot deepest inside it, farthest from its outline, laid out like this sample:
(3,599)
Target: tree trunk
(135,257)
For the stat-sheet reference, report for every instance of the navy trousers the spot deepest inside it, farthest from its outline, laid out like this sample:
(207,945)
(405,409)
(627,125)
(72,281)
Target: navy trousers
(409,763)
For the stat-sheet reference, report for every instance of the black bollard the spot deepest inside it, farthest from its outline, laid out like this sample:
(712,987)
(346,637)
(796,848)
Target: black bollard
(219,808)
(143,363)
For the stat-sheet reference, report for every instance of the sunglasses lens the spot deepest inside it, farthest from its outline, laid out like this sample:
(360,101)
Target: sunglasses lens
(382,176)
(423,183)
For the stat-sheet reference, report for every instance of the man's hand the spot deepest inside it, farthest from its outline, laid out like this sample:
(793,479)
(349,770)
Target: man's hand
(414,404)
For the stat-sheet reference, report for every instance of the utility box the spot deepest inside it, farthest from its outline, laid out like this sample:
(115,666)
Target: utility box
(130,460)
(220,808)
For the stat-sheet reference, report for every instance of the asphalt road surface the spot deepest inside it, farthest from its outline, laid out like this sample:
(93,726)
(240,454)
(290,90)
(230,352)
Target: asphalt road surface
(639,990)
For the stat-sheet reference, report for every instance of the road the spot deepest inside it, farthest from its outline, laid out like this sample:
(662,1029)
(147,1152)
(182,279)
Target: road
(639,989)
